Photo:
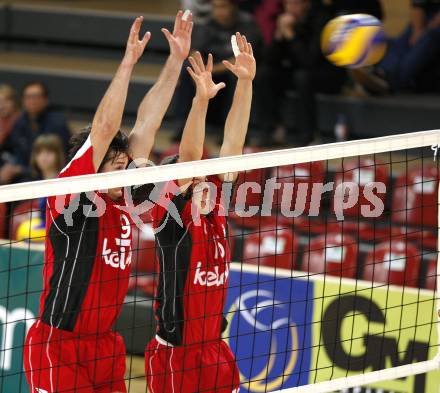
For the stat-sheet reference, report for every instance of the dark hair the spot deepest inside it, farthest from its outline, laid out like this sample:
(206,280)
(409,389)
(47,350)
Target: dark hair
(42,85)
(118,145)
(170,160)
(49,142)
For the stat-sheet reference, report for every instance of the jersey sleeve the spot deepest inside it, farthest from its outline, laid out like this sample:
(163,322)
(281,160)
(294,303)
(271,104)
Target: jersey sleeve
(81,163)
(171,207)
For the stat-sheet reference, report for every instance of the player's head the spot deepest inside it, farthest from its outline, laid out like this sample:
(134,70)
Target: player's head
(297,8)
(116,158)
(199,191)
(224,11)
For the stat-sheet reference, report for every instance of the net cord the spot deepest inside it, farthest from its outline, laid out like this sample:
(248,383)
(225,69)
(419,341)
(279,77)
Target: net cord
(367,378)
(155,174)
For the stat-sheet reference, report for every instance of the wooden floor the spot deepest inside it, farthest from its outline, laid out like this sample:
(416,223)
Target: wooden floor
(135,375)
(157,7)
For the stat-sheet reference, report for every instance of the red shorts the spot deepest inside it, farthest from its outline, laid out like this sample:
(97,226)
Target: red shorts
(58,361)
(208,367)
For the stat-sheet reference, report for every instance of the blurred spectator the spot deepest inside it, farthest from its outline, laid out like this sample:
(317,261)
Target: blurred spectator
(9,114)
(37,119)
(215,37)
(411,62)
(295,61)
(47,160)
(47,157)
(266,15)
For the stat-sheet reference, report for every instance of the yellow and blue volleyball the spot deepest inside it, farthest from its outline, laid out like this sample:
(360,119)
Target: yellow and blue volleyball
(354,41)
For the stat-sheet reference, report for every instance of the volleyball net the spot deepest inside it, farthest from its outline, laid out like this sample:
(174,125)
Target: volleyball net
(331,286)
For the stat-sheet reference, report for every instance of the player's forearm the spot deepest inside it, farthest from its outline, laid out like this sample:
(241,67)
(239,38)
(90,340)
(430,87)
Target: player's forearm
(153,109)
(237,122)
(108,117)
(193,138)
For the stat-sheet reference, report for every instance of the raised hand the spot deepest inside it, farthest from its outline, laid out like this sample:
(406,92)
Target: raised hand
(202,76)
(180,40)
(245,66)
(135,47)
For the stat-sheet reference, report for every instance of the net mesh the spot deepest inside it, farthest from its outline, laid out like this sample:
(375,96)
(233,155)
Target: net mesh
(323,280)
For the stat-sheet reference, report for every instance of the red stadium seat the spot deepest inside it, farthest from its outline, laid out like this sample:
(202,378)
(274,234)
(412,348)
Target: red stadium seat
(360,172)
(269,247)
(415,197)
(254,222)
(292,179)
(333,254)
(317,226)
(431,274)
(396,263)
(4,219)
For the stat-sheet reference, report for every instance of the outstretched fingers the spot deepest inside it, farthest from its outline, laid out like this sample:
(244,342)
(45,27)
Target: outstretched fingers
(194,65)
(135,28)
(240,42)
(178,21)
(145,40)
(219,86)
(199,60)
(190,26)
(192,73)
(245,45)
(228,65)
(167,34)
(210,63)
(187,21)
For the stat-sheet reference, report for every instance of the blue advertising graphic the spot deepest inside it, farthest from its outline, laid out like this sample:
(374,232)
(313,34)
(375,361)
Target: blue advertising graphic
(270,329)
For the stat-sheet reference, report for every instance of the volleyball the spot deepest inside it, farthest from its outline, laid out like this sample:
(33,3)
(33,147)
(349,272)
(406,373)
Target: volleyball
(354,41)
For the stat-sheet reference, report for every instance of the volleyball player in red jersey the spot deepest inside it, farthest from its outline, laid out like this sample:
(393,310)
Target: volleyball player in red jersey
(71,347)
(188,354)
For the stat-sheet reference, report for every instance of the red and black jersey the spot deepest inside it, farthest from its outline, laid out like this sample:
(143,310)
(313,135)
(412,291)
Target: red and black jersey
(194,258)
(87,256)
